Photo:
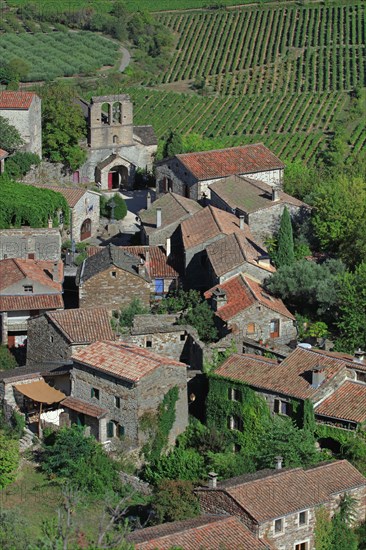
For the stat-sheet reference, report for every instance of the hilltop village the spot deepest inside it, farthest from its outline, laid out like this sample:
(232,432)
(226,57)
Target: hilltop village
(155,334)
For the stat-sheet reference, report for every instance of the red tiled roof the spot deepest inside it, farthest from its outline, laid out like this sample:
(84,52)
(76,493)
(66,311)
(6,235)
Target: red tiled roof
(31,302)
(71,194)
(158,265)
(242,292)
(219,163)
(348,402)
(123,360)
(16,100)
(209,223)
(83,326)
(282,492)
(208,532)
(81,406)
(3,154)
(13,270)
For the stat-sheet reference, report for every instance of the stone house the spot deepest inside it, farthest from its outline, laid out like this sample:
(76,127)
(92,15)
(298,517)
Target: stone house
(34,244)
(3,156)
(160,269)
(84,207)
(115,147)
(261,204)
(27,288)
(237,253)
(336,386)
(192,174)
(113,385)
(112,278)
(161,219)
(23,111)
(56,335)
(242,306)
(198,232)
(279,506)
(211,532)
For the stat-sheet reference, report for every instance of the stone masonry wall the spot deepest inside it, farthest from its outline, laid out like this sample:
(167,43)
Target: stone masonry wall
(113,293)
(86,208)
(266,222)
(28,124)
(45,342)
(45,244)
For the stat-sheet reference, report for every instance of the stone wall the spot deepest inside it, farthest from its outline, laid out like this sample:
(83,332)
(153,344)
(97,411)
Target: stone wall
(246,268)
(113,293)
(44,244)
(48,172)
(266,222)
(28,124)
(86,208)
(45,342)
(197,272)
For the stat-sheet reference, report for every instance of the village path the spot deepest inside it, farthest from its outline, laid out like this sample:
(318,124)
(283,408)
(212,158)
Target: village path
(126,59)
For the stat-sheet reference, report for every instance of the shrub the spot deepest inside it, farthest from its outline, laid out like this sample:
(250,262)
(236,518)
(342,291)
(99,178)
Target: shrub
(175,501)
(9,459)
(7,359)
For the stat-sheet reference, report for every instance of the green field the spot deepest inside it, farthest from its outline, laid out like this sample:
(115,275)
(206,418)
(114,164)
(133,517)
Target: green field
(59,54)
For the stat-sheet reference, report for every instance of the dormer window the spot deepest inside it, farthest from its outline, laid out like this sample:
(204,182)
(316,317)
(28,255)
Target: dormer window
(28,288)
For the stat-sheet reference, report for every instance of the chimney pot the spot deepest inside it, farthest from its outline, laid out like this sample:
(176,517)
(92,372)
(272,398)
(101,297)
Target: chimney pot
(359,356)
(241,222)
(212,480)
(158,217)
(275,194)
(279,460)
(148,200)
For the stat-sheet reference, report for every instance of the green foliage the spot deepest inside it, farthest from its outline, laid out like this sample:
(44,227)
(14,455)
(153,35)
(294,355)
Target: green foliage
(360,532)
(285,241)
(174,501)
(10,139)
(182,464)
(218,357)
(9,459)
(19,164)
(13,533)
(63,126)
(323,535)
(173,145)
(318,330)
(70,455)
(352,310)
(120,209)
(343,538)
(28,205)
(7,359)
(309,417)
(125,317)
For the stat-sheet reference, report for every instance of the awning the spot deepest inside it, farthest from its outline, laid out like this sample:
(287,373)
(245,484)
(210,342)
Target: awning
(41,392)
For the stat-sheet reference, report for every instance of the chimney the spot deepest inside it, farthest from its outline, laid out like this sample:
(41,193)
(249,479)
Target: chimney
(55,272)
(359,356)
(168,247)
(219,299)
(212,480)
(141,268)
(241,222)
(158,217)
(148,200)
(275,194)
(279,460)
(318,376)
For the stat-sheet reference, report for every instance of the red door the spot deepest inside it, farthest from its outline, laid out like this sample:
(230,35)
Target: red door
(110,180)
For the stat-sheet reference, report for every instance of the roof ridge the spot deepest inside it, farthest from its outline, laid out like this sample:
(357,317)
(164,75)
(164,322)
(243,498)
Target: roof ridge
(236,235)
(16,261)
(214,215)
(178,201)
(274,475)
(180,155)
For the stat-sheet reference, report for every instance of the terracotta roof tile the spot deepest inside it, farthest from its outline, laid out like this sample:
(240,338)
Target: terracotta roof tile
(32,302)
(81,406)
(219,163)
(174,208)
(13,270)
(348,402)
(291,377)
(16,100)
(123,360)
(208,532)
(250,195)
(242,292)
(83,326)
(71,194)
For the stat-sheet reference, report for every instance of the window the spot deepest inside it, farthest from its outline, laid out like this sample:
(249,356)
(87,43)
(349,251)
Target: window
(302,546)
(182,337)
(234,394)
(274,328)
(51,339)
(28,288)
(31,256)
(110,429)
(282,407)
(149,343)
(114,274)
(303,518)
(117,402)
(120,430)
(278,526)
(235,423)
(159,286)
(94,393)
(251,328)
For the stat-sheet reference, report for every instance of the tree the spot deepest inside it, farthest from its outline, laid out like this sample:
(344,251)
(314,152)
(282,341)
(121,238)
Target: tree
(7,359)
(343,538)
(120,208)
(63,126)
(323,535)
(13,534)
(10,139)
(9,459)
(352,310)
(173,145)
(127,314)
(174,501)
(285,241)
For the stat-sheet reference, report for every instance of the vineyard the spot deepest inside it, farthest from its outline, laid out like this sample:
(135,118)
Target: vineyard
(59,54)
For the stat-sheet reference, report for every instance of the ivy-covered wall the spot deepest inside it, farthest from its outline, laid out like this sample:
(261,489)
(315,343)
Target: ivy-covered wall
(249,407)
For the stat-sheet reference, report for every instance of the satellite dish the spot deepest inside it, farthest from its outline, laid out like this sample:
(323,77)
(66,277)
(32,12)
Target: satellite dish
(304,345)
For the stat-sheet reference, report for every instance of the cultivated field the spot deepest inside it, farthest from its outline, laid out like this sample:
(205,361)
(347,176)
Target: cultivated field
(59,54)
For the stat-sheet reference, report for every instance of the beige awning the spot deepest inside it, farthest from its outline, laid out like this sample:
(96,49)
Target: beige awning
(41,392)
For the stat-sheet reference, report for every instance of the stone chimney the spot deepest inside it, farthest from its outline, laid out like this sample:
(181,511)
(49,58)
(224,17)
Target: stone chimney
(318,376)
(148,200)
(241,222)
(55,276)
(275,194)
(158,217)
(212,480)
(219,298)
(359,356)
(168,247)
(141,268)
(278,464)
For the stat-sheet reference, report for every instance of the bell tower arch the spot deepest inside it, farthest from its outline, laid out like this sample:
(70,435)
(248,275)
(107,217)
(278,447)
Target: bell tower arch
(110,121)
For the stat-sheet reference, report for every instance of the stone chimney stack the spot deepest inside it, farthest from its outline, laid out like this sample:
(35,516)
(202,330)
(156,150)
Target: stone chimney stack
(55,276)
(148,200)
(241,222)
(212,480)
(275,194)
(359,356)
(279,460)
(318,376)
(158,217)
(219,298)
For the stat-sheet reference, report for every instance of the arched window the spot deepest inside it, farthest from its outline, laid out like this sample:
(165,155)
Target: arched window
(117,113)
(115,139)
(106,113)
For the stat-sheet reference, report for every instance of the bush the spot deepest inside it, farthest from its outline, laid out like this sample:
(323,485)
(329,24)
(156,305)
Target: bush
(126,316)
(174,501)
(19,164)
(7,359)
(9,459)
(182,464)
(120,209)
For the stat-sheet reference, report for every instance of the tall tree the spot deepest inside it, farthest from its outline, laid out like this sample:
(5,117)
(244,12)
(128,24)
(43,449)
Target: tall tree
(285,254)
(10,139)
(352,307)
(173,145)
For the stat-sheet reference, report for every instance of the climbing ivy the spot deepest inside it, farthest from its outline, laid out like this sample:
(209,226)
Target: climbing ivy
(27,205)
(158,426)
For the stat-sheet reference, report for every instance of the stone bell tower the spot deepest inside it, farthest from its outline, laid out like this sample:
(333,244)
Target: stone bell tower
(110,122)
